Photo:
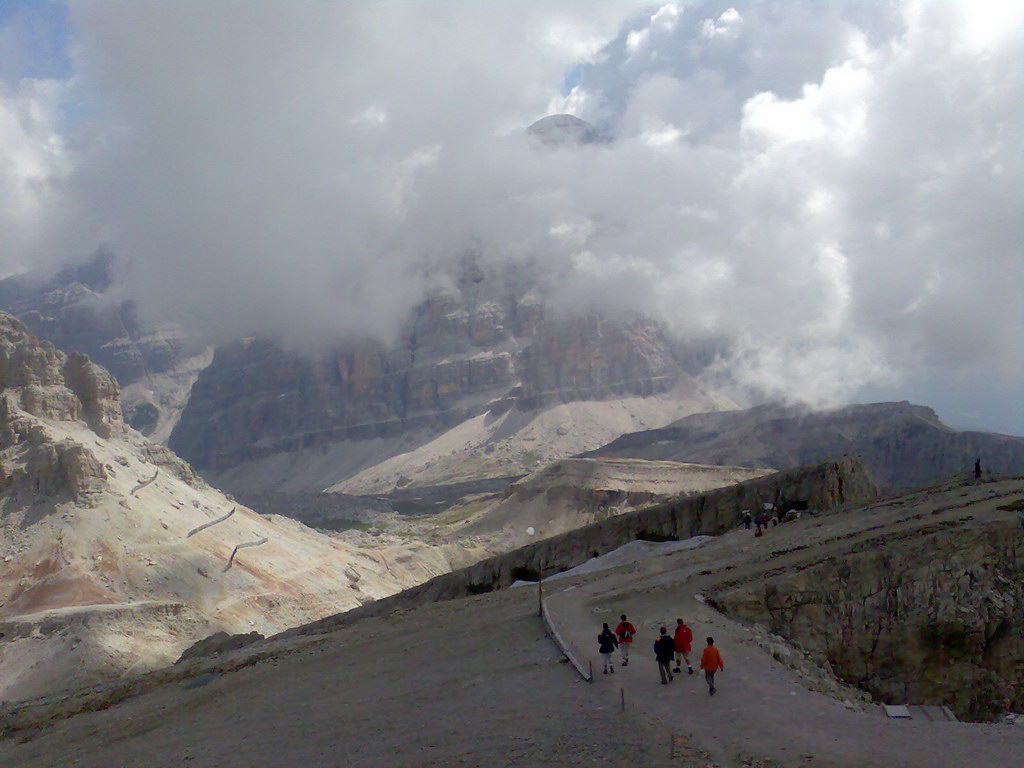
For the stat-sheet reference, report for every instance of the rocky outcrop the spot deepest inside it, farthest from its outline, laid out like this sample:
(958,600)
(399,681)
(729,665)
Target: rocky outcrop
(37,379)
(98,393)
(903,445)
(930,616)
(163,457)
(52,469)
(592,358)
(40,380)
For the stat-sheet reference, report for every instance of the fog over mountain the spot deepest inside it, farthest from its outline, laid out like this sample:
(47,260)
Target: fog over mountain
(832,191)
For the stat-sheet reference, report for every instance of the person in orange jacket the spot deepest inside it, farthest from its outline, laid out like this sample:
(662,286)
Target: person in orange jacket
(683,639)
(711,662)
(625,632)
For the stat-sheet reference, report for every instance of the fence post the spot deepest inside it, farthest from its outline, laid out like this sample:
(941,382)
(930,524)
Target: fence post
(540,597)
(622,696)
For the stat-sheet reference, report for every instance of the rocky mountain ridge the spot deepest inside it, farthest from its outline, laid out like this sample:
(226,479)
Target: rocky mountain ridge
(77,311)
(115,555)
(903,445)
(471,389)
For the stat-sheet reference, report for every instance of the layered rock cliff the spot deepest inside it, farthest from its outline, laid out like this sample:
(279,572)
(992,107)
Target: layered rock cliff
(903,445)
(929,614)
(478,360)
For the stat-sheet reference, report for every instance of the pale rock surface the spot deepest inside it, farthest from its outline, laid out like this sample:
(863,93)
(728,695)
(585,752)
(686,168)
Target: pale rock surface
(99,574)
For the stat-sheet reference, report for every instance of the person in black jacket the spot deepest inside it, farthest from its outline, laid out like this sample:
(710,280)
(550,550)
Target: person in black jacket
(664,652)
(607,643)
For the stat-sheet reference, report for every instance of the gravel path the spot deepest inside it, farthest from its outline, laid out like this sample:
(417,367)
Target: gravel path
(472,682)
(763,713)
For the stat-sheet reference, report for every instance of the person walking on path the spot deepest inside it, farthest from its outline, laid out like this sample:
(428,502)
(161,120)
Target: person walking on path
(747,519)
(607,643)
(977,469)
(683,640)
(664,650)
(625,632)
(711,662)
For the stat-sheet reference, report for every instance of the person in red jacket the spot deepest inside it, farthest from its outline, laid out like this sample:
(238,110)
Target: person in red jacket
(683,640)
(625,632)
(711,662)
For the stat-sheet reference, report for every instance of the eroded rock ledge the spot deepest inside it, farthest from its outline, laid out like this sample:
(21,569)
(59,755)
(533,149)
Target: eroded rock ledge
(930,615)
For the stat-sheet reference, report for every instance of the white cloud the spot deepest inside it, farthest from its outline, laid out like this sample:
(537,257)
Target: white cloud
(831,190)
(727,25)
(372,115)
(33,159)
(661,24)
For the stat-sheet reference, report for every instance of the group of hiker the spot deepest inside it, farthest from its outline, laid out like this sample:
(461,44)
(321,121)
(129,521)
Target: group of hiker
(770,515)
(667,649)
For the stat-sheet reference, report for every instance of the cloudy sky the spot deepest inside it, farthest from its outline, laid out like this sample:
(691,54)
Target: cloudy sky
(834,188)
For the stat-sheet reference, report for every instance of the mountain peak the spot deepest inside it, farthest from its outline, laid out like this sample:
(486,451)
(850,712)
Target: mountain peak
(557,131)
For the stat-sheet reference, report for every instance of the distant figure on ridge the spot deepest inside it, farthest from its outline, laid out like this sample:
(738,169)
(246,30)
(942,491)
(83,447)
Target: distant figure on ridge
(977,469)
(747,519)
(625,632)
(607,643)
(711,662)
(683,639)
(664,650)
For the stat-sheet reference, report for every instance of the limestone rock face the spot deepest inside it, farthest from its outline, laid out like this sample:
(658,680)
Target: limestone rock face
(38,380)
(98,393)
(930,617)
(903,445)
(27,365)
(45,383)
(465,352)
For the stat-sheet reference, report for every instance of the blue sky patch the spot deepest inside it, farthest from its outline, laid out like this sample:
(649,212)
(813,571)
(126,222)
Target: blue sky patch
(34,38)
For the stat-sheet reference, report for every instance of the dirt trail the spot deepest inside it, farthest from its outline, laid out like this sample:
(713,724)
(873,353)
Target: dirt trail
(474,682)
(471,682)
(764,711)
